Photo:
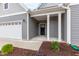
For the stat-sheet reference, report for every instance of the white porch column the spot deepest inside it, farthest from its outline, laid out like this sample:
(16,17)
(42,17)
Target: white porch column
(27,26)
(48,27)
(68,26)
(59,27)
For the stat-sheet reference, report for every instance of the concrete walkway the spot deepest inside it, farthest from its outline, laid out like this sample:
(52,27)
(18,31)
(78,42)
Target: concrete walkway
(42,38)
(32,45)
(39,38)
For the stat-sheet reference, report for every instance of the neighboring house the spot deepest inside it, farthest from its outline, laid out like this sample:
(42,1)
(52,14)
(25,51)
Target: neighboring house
(51,20)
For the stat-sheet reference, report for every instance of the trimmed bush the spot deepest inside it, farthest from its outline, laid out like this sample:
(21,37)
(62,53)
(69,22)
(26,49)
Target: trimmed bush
(6,49)
(55,46)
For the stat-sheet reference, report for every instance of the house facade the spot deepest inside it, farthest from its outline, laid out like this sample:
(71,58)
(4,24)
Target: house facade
(53,21)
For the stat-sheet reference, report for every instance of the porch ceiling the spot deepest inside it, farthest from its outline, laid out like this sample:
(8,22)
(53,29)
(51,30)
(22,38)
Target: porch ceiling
(39,18)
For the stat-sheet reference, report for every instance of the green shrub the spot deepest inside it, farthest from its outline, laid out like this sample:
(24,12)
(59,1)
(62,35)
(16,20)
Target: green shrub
(55,46)
(6,49)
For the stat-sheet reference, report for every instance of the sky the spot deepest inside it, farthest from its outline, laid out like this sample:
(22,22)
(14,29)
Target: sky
(32,5)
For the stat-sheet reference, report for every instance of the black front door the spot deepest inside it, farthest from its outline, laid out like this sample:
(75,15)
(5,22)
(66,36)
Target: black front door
(42,30)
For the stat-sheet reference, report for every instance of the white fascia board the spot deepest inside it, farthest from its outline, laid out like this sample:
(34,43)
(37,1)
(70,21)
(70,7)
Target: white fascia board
(44,9)
(64,7)
(11,21)
(12,14)
(48,13)
(70,4)
(73,4)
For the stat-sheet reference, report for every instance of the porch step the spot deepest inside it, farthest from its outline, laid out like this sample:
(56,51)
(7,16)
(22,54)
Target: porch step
(32,45)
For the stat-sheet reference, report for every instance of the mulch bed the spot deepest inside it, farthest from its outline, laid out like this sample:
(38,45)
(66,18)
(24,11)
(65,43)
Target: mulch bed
(65,50)
(45,50)
(21,52)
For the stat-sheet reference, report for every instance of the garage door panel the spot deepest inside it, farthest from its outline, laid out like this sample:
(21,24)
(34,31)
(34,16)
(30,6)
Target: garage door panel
(11,31)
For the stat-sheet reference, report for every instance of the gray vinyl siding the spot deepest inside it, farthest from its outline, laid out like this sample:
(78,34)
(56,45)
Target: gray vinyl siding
(33,28)
(75,24)
(54,27)
(13,8)
(15,18)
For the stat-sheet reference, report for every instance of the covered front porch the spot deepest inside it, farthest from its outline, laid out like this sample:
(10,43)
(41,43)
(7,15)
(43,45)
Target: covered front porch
(48,24)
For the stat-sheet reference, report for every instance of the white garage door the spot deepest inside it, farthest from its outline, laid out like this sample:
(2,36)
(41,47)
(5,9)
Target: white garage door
(11,30)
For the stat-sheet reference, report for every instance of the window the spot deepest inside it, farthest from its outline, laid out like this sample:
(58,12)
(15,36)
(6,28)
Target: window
(6,6)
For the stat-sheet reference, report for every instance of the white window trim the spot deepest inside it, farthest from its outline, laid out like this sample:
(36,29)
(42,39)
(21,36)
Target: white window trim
(4,6)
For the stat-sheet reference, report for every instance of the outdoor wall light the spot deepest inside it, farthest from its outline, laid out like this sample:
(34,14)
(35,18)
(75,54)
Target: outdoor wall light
(23,20)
